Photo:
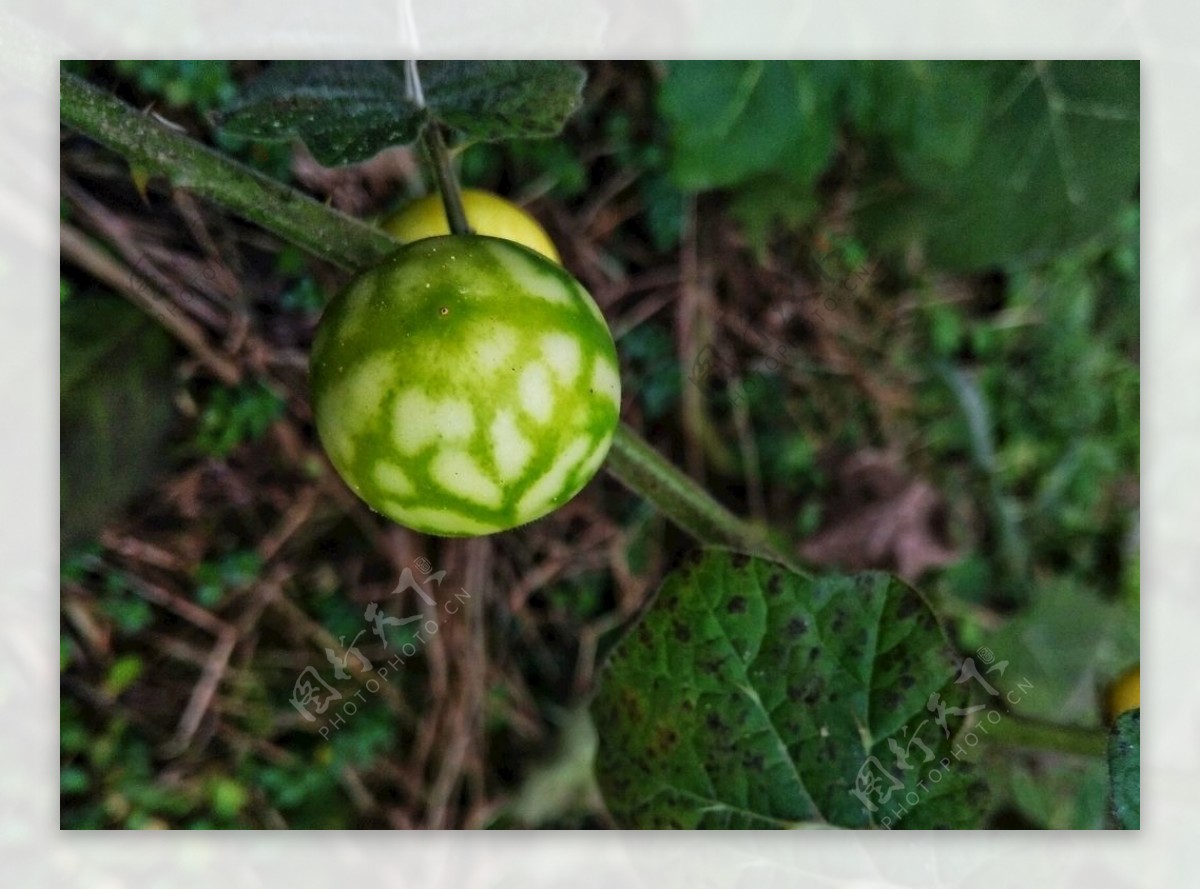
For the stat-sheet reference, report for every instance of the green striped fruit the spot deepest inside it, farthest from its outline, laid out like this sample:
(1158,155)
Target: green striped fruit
(465,385)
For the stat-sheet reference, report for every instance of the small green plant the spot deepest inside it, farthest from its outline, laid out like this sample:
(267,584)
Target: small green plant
(234,415)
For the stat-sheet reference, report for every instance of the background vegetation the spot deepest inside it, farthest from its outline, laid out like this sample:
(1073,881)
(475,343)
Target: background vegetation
(889,308)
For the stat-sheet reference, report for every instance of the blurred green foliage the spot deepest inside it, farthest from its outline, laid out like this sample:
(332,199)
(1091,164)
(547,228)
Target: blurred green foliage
(979,163)
(232,416)
(215,578)
(764,129)
(116,383)
(206,86)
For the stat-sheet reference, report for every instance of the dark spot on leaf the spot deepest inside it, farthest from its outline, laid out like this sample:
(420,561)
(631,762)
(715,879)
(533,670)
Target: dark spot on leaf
(632,705)
(797,626)
(665,739)
(813,654)
(737,605)
(683,633)
(908,606)
(739,560)
(775,584)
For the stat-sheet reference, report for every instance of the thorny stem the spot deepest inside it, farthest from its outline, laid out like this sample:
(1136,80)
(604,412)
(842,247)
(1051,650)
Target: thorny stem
(354,245)
(163,151)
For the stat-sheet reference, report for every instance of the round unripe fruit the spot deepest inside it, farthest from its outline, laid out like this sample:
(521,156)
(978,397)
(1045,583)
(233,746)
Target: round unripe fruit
(465,385)
(487,214)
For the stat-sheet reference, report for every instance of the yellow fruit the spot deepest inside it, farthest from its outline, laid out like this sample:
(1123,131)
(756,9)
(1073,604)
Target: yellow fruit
(487,214)
(1125,692)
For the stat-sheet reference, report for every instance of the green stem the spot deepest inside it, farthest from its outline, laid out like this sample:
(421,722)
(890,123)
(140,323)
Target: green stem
(435,146)
(354,245)
(160,150)
(642,469)
(447,182)
(1023,732)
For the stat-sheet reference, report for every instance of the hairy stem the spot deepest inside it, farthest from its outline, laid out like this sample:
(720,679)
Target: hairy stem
(163,151)
(354,245)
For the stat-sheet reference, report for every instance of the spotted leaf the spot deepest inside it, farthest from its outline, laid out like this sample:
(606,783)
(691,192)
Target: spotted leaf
(750,696)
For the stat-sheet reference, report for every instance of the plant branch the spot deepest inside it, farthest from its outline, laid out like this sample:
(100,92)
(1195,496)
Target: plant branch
(354,245)
(439,158)
(164,151)
(1023,732)
(643,470)
(447,182)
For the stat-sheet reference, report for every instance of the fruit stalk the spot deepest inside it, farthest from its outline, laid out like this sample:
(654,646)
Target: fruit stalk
(354,245)
(439,157)
(447,182)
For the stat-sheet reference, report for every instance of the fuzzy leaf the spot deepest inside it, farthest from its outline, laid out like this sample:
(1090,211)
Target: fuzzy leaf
(503,100)
(750,696)
(348,111)
(344,111)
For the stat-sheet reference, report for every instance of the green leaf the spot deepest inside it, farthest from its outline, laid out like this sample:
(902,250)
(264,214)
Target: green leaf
(115,409)
(1063,643)
(997,162)
(123,674)
(228,797)
(503,100)
(766,129)
(344,111)
(750,696)
(348,111)
(734,121)
(1124,768)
